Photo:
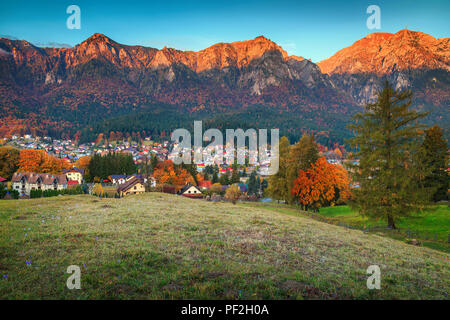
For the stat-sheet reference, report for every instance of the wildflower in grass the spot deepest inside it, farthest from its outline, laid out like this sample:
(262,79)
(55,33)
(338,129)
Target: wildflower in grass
(118,261)
(28,262)
(5,276)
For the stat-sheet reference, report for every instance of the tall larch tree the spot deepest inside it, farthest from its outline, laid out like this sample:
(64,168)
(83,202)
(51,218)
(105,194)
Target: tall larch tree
(387,137)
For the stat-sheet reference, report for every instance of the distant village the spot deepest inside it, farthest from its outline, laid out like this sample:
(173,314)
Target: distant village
(72,179)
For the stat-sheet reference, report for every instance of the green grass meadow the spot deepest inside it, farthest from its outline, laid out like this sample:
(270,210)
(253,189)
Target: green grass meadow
(161,246)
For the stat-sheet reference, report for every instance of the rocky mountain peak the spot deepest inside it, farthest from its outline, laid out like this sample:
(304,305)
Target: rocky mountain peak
(384,53)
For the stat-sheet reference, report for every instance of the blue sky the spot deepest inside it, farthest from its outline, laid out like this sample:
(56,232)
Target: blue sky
(312,29)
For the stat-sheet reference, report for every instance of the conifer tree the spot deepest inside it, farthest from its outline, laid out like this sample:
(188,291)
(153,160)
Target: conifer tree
(252,183)
(387,136)
(435,157)
(235,175)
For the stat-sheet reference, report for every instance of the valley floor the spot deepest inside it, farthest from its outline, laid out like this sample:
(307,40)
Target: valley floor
(161,246)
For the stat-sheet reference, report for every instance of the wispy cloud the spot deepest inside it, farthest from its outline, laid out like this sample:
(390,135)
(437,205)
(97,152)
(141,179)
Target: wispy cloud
(290,47)
(4,52)
(52,45)
(8,37)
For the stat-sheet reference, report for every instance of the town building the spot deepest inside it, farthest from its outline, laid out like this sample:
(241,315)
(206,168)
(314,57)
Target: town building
(191,191)
(25,182)
(74,174)
(132,186)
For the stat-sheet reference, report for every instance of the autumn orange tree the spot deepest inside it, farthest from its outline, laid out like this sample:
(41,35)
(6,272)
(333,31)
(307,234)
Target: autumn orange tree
(320,185)
(166,173)
(343,181)
(31,160)
(9,158)
(83,162)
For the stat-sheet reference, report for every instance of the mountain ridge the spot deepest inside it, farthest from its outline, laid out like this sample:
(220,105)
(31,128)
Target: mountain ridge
(65,89)
(390,52)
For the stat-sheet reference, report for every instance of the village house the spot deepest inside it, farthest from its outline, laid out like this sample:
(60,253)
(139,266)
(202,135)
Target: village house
(118,179)
(25,182)
(191,191)
(2,181)
(132,186)
(74,174)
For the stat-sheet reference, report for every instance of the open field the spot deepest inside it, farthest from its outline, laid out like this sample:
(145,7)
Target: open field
(436,220)
(433,225)
(160,246)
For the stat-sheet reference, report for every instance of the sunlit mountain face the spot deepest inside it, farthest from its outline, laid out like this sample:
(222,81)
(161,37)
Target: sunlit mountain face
(99,84)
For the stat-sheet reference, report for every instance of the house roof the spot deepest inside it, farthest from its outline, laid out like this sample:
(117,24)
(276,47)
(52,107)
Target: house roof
(117,176)
(72,182)
(74,169)
(45,178)
(127,185)
(205,184)
(187,186)
(2,179)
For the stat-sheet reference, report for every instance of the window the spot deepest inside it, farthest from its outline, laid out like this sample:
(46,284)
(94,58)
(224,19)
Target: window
(134,187)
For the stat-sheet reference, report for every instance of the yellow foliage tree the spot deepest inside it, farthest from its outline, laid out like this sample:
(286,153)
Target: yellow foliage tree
(98,190)
(233,193)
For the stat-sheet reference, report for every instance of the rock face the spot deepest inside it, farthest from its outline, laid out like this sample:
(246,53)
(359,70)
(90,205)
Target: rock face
(409,59)
(47,87)
(254,64)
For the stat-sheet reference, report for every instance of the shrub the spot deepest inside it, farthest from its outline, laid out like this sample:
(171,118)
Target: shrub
(35,193)
(233,193)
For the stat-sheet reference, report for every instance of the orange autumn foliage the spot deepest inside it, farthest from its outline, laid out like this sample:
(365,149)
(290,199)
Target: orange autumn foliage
(316,186)
(83,162)
(200,177)
(31,160)
(64,163)
(166,173)
(343,182)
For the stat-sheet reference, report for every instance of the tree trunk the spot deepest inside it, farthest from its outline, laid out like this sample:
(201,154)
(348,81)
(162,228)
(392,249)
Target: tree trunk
(391,222)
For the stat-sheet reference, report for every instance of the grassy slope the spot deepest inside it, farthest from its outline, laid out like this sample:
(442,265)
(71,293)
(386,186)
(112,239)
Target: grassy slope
(163,246)
(432,224)
(435,220)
